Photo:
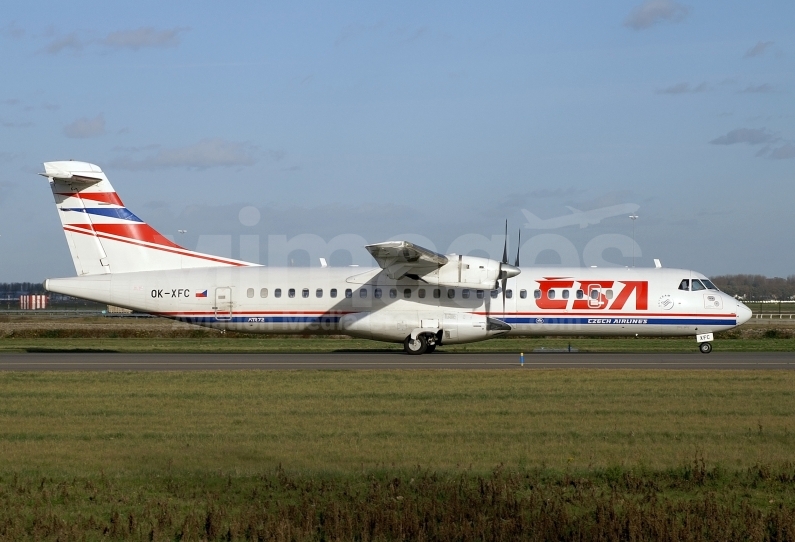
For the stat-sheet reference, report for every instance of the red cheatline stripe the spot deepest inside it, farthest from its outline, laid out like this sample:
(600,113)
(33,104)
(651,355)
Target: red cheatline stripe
(139,232)
(282,313)
(102,197)
(182,252)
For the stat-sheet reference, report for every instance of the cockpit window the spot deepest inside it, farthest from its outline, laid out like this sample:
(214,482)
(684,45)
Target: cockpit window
(696,285)
(709,285)
(684,285)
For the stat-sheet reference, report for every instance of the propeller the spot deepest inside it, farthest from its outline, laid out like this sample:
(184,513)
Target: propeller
(516,263)
(507,270)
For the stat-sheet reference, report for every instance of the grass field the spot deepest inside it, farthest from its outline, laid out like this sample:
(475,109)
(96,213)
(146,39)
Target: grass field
(398,455)
(242,422)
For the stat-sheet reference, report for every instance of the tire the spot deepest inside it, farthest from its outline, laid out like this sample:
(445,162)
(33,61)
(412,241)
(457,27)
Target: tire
(705,348)
(430,349)
(415,348)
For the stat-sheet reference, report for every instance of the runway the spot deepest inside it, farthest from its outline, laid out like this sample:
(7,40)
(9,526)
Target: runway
(56,361)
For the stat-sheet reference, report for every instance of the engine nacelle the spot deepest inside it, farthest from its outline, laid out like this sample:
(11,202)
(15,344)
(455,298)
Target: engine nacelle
(470,272)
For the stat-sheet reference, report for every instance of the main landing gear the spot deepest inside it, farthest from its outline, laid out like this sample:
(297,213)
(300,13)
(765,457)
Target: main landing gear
(423,344)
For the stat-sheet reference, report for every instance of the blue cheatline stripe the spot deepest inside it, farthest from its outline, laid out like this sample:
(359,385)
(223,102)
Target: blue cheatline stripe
(122,213)
(626,321)
(262,319)
(329,319)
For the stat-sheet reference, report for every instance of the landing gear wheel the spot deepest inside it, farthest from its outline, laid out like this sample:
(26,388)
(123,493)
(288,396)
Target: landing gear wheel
(705,348)
(430,349)
(415,347)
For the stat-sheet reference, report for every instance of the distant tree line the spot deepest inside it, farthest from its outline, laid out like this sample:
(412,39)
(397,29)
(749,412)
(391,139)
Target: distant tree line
(757,287)
(15,289)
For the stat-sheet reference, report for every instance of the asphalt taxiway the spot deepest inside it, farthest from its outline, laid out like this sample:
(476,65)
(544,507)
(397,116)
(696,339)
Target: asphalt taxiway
(112,361)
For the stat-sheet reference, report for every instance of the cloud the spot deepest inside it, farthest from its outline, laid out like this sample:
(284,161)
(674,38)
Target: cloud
(556,193)
(12,31)
(86,127)
(140,38)
(71,42)
(784,152)
(758,49)
(652,12)
(758,89)
(750,136)
(11,124)
(151,147)
(683,88)
(207,153)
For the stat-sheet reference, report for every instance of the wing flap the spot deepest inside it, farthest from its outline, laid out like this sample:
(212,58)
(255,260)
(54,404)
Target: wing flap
(399,258)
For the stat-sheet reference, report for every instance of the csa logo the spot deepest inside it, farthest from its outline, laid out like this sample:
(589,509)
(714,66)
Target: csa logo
(665,302)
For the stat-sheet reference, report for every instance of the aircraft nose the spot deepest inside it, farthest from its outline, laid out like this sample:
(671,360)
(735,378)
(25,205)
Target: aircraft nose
(743,314)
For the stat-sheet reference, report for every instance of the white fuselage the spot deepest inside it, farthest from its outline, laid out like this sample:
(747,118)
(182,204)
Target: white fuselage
(365,303)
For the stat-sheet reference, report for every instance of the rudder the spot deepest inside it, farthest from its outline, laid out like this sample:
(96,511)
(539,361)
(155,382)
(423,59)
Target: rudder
(106,237)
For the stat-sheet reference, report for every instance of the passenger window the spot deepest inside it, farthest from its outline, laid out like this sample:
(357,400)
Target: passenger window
(250,292)
(377,293)
(465,293)
(494,294)
(437,293)
(263,292)
(291,292)
(551,294)
(579,294)
(333,292)
(594,294)
(480,294)
(363,293)
(393,293)
(609,294)
(319,292)
(509,294)
(421,293)
(684,285)
(305,293)
(565,294)
(696,285)
(523,294)
(277,292)
(407,293)
(537,294)
(348,293)
(451,293)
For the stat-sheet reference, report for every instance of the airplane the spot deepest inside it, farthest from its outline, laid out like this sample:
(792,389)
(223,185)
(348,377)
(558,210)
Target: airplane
(583,218)
(414,296)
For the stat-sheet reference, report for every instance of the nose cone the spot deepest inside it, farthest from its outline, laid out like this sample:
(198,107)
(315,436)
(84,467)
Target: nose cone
(509,271)
(743,313)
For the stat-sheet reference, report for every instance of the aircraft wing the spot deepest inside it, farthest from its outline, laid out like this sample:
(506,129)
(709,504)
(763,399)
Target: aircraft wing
(401,258)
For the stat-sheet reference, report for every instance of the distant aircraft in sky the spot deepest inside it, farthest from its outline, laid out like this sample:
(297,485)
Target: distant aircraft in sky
(583,218)
(412,296)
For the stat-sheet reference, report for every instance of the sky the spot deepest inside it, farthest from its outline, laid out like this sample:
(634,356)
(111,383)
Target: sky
(282,133)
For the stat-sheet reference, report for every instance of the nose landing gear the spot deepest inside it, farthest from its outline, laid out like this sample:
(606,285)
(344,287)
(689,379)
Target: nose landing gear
(705,348)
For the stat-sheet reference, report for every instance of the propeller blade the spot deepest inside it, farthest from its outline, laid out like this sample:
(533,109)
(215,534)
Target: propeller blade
(516,263)
(505,246)
(504,285)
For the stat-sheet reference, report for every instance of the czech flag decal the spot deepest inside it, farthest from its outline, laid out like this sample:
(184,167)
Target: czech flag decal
(201,294)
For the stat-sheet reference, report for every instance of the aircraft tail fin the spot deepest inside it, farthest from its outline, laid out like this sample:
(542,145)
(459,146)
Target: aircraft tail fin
(106,237)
